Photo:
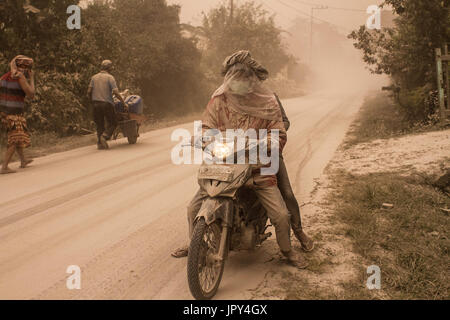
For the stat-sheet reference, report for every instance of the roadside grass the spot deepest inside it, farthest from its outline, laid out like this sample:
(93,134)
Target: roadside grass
(381,118)
(43,144)
(410,242)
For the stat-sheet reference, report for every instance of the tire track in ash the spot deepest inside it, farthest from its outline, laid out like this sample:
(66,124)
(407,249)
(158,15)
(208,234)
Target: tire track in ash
(76,180)
(75,195)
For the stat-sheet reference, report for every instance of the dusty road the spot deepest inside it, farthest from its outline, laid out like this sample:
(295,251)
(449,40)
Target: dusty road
(118,214)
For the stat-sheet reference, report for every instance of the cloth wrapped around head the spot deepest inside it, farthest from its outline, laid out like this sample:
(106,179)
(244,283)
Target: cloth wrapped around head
(244,90)
(244,57)
(20,64)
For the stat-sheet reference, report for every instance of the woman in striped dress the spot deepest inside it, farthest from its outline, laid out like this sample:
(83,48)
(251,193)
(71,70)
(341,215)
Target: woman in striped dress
(14,87)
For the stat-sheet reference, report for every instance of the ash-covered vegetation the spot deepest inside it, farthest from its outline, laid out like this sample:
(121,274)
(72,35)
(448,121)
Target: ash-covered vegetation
(173,66)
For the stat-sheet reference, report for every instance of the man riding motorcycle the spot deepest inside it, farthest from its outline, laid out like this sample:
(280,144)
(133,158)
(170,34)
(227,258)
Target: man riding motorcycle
(242,102)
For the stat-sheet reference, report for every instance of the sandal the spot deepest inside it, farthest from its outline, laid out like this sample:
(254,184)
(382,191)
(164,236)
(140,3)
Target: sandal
(180,252)
(306,242)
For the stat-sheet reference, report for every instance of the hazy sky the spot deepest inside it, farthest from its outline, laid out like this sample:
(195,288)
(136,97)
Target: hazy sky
(286,10)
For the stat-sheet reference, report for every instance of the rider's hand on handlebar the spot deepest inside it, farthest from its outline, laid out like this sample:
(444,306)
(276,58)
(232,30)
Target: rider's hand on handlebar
(199,142)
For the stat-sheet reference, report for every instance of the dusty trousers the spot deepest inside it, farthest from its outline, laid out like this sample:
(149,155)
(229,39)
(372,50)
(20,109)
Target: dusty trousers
(104,111)
(271,199)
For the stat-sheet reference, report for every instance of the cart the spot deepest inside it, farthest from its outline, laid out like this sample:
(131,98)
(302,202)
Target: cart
(130,120)
(128,125)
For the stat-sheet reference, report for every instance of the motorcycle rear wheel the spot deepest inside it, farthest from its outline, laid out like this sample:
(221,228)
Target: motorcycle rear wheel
(204,270)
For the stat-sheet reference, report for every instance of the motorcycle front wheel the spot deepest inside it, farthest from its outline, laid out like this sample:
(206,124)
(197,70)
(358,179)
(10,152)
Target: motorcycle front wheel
(204,268)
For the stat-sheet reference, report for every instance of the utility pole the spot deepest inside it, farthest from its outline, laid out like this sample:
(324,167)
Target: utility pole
(231,11)
(311,35)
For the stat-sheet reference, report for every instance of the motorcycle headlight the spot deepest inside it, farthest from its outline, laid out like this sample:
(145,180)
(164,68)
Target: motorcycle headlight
(222,150)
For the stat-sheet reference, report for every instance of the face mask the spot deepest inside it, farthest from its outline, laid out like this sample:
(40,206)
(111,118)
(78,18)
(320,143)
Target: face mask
(240,87)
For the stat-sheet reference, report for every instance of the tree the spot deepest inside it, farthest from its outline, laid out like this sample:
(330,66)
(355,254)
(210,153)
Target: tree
(164,64)
(406,52)
(142,38)
(250,28)
(41,33)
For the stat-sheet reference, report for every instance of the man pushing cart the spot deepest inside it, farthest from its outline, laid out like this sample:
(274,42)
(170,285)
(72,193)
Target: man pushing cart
(118,116)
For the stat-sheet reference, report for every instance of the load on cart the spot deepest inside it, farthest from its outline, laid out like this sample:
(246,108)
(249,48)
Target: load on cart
(129,121)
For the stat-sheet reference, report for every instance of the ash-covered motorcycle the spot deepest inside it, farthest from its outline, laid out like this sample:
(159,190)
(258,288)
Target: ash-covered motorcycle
(231,218)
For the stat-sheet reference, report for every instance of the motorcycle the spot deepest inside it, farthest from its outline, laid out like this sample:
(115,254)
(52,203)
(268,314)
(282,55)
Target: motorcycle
(231,218)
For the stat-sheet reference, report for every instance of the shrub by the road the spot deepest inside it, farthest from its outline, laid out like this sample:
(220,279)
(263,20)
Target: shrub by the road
(381,118)
(173,66)
(406,52)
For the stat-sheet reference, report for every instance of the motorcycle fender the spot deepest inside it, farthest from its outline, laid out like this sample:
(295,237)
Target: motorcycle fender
(214,209)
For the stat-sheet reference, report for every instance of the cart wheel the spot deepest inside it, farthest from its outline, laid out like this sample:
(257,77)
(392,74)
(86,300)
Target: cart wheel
(132,140)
